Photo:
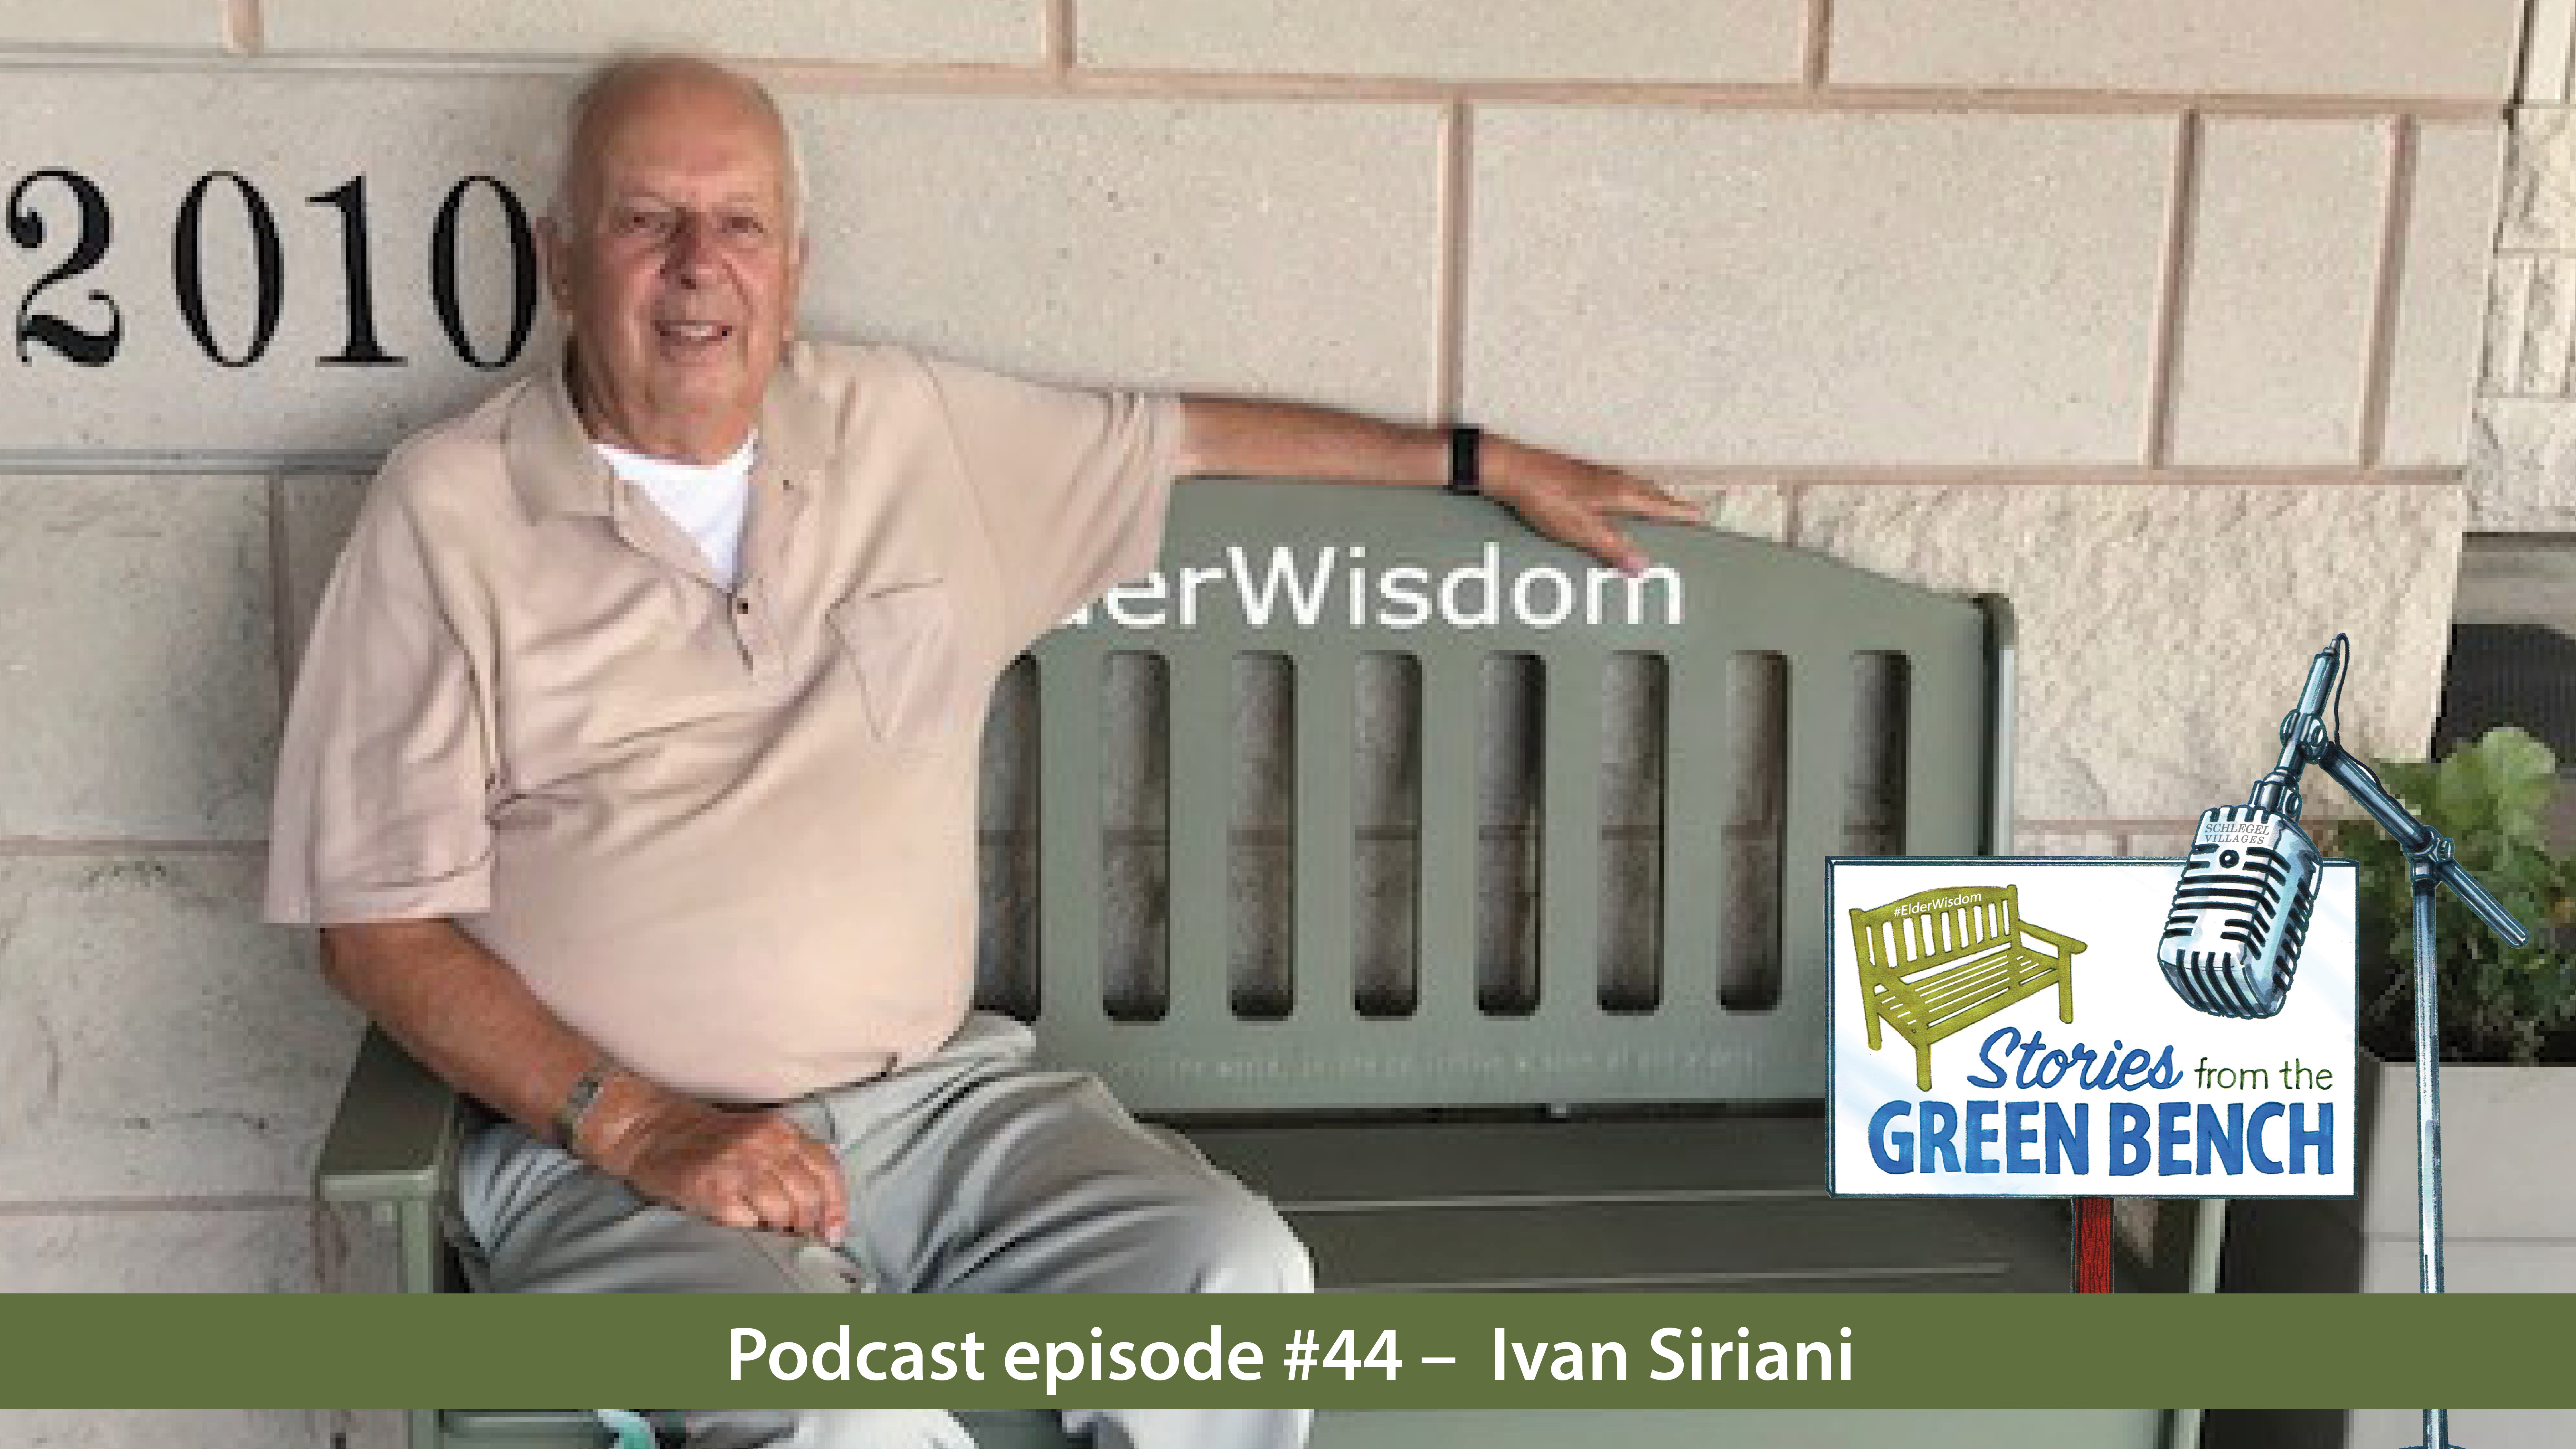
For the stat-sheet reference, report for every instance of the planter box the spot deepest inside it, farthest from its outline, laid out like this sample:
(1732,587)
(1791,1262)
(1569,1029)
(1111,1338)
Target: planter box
(2508,1226)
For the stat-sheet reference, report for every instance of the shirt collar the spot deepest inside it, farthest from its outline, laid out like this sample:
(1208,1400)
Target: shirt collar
(557,472)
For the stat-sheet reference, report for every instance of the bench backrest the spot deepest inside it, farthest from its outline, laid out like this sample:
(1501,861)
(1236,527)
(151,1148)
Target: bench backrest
(1382,849)
(1935,927)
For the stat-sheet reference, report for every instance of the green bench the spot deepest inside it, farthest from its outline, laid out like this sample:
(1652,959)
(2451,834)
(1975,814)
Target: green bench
(1477,917)
(1940,961)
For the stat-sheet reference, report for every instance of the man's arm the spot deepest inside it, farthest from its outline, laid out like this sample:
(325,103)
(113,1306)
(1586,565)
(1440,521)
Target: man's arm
(468,1017)
(1569,500)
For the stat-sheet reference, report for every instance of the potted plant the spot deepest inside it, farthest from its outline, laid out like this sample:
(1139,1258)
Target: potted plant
(2498,1003)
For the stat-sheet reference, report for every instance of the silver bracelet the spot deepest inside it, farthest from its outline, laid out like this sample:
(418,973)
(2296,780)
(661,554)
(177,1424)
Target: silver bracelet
(577,1104)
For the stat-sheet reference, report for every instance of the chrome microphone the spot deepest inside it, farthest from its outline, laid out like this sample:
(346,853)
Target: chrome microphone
(2240,912)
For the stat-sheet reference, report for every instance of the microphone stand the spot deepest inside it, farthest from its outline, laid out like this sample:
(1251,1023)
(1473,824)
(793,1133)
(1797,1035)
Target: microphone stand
(2304,741)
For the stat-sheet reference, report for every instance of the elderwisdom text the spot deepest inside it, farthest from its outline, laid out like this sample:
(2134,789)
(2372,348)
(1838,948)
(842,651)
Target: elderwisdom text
(1309,587)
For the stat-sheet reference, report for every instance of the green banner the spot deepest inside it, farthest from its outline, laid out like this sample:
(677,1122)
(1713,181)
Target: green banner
(1353,1351)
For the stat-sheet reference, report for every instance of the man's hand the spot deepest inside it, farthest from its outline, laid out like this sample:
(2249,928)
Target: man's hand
(1576,503)
(745,1168)
(471,1019)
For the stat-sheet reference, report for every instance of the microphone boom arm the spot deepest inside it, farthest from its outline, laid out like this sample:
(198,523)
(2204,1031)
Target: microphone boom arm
(2428,851)
(2305,741)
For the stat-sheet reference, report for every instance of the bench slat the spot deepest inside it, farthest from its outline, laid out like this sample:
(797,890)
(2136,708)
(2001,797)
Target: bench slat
(1695,885)
(1356,1164)
(1777,1245)
(1631,1205)
(1069,939)
(1963,989)
(1200,819)
(1323,978)
(1444,941)
(1821,736)
(1571,734)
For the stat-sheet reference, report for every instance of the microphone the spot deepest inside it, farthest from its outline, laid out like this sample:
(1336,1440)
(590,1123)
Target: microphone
(2240,912)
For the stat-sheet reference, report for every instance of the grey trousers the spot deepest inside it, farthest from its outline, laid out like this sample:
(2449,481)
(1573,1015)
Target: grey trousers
(970,1172)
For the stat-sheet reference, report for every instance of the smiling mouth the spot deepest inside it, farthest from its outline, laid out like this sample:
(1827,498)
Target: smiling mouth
(693,334)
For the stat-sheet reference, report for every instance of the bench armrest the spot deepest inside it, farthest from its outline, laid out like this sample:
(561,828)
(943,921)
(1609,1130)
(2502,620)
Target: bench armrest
(2067,946)
(392,1148)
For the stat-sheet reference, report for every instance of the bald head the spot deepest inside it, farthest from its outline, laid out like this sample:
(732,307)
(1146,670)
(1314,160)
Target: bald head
(615,90)
(673,249)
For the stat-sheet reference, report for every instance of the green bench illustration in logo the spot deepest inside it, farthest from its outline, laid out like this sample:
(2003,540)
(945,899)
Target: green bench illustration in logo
(1942,960)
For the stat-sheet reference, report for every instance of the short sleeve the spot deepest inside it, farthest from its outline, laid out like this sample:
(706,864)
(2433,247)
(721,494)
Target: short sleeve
(384,776)
(1071,484)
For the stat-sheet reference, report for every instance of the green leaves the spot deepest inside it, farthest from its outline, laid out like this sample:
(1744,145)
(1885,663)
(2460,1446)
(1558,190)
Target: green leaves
(2492,800)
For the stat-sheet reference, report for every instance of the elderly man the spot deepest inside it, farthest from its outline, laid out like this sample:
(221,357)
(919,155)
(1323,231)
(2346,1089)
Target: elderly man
(631,768)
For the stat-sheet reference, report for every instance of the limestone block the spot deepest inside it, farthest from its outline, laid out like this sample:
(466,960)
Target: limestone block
(158,1250)
(318,513)
(155,1038)
(2164,630)
(2522,464)
(2548,36)
(2540,181)
(2433,340)
(1665,286)
(2500,340)
(2458,49)
(122,153)
(997,32)
(1656,40)
(2530,327)
(157,1428)
(2280,286)
(155,24)
(1237,247)
(1756,510)
(136,665)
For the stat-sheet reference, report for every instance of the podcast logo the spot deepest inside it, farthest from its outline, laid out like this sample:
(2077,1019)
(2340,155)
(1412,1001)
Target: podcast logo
(2001,1028)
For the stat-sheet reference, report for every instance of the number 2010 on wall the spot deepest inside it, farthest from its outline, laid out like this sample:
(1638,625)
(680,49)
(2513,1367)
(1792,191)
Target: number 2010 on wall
(95,327)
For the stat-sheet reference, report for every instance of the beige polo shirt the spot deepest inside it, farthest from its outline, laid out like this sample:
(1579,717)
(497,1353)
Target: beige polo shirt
(727,834)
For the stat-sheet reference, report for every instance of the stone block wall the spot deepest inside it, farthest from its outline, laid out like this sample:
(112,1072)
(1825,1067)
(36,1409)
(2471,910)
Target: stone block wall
(2164,320)
(2526,409)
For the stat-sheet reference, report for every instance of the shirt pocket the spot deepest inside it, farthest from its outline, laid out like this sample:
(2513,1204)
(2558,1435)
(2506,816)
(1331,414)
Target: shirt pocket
(906,647)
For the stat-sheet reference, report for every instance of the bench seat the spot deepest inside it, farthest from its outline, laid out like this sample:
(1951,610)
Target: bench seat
(1941,1002)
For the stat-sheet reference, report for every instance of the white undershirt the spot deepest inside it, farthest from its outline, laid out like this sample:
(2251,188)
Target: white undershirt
(706,500)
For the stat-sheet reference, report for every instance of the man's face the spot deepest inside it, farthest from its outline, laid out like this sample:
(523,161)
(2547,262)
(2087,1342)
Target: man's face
(677,264)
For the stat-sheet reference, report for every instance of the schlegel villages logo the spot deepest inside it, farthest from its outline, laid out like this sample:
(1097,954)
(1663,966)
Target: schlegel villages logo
(1308,587)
